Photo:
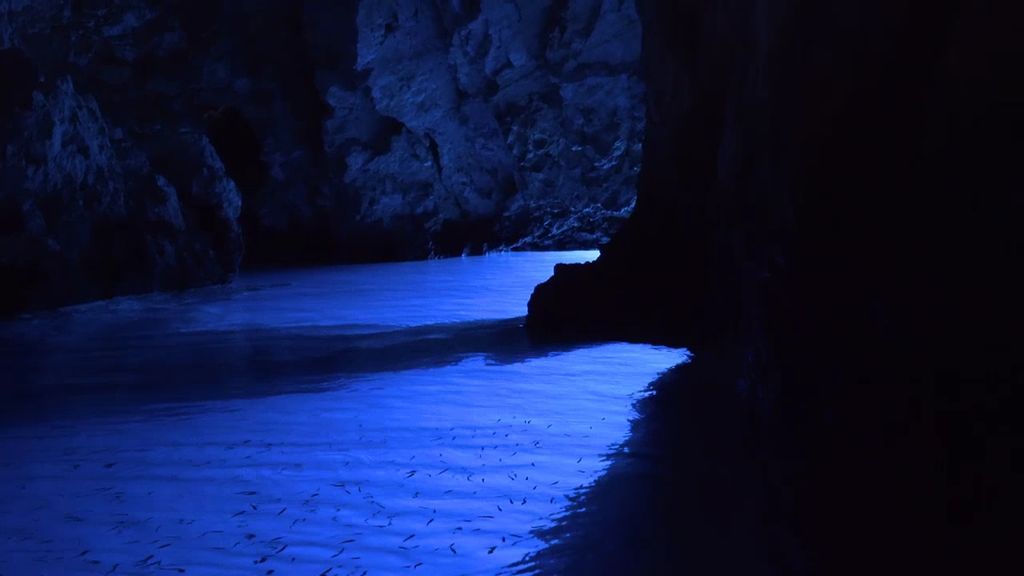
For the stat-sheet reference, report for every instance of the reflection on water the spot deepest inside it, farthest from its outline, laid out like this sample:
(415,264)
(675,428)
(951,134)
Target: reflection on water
(367,419)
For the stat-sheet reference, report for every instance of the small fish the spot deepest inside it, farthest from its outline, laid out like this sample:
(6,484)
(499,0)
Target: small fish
(430,521)
(409,537)
(491,549)
(452,548)
(282,510)
(239,513)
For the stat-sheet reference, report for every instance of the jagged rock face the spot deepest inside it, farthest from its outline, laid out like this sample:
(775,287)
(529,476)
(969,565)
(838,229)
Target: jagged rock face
(321,131)
(87,216)
(510,118)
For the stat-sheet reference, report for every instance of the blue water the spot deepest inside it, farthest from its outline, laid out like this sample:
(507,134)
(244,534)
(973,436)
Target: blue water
(379,419)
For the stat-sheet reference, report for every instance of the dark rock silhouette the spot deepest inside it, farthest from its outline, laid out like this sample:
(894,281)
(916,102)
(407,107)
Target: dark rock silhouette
(828,209)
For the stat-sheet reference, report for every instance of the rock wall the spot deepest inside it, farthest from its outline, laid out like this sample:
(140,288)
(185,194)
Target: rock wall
(339,131)
(830,206)
(511,124)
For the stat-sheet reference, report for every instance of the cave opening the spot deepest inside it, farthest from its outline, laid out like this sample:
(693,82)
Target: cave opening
(558,287)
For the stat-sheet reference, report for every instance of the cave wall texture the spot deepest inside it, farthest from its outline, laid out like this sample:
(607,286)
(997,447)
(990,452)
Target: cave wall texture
(155,145)
(831,201)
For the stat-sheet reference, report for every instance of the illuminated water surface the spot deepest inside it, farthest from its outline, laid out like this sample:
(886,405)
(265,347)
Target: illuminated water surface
(349,420)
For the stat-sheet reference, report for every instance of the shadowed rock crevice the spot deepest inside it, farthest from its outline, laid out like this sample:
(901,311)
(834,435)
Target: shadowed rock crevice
(238,147)
(20,78)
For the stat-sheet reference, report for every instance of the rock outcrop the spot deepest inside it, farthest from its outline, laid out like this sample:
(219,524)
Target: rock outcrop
(86,215)
(505,120)
(830,201)
(347,132)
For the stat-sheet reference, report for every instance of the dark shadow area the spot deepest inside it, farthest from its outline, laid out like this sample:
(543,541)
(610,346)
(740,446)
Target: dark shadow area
(20,78)
(238,147)
(828,214)
(700,487)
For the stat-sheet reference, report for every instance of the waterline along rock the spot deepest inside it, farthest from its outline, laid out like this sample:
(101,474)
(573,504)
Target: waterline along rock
(347,131)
